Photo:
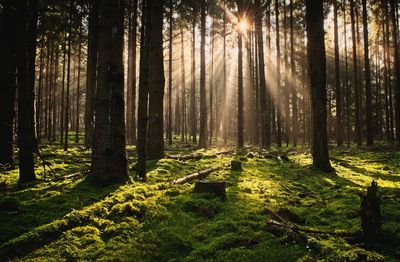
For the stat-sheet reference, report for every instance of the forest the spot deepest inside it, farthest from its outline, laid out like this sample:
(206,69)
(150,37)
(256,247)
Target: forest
(199,130)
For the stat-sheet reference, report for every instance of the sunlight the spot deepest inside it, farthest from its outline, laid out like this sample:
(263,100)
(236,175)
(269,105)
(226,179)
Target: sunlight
(243,25)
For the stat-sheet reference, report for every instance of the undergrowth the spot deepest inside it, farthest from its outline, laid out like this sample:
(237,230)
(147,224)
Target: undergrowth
(70,219)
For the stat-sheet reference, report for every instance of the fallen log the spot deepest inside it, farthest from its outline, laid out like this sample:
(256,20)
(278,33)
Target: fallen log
(74,175)
(186,157)
(297,228)
(200,174)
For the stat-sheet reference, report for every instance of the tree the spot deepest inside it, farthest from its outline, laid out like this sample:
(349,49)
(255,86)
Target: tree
(7,74)
(67,99)
(240,126)
(91,79)
(26,140)
(358,138)
(193,111)
(393,4)
(278,78)
(265,140)
(317,75)
(338,87)
(368,91)
(109,160)
(170,18)
(203,105)
(155,133)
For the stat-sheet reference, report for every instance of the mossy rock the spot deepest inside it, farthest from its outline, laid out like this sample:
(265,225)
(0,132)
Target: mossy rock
(236,165)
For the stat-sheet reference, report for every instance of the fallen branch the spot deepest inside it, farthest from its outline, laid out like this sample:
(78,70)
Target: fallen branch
(296,228)
(74,175)
(200,174)
(187,157)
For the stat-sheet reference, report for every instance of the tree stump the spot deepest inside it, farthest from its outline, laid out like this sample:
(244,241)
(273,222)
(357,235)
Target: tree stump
(236,165)
(371,217)
(217,188)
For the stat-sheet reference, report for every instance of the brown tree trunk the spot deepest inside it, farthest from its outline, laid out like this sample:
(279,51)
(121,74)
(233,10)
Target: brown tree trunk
(203,105)
(393,4)
(109,161)
(317,74)
(26,141)
(338,87)
(240,139)
(193,113)
(78,87)
(278,78)
(155,144)
(169,128)
(7,71)
(91,78)
(67,99)
(293,78)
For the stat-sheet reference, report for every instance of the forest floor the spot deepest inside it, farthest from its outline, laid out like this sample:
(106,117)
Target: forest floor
(63,217)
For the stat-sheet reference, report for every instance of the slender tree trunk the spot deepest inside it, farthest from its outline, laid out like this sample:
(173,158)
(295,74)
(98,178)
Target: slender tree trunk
(67,100)
(193,113)
(143,89)
(183,88)
(109,160)
(169,130)
(317,73)
(155,145)
(240,126)
(134,55)
(348,89)
(8,70)
(225,104)
(203,104)
(338,85)
(211,85)
(62,117)
(293,78)
(287,86)
(278,78)
(393,5)
(78,87)
(91,78)
(357,121)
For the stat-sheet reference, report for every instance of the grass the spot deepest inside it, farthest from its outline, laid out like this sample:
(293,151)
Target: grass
(73,220)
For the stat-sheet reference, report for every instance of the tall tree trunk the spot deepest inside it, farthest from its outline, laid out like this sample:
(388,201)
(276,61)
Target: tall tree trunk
(278,78)
(240,141)
(67,99)
(211,85)
(368,91)
(91,78)
(293,78)
(62,111)
(317,74)
(169,129)
(286,89)
(155,145)
(193,113)
(109,160)
(183,88)
(393,5)
(348,89)
(338,86)
(357,121)
(265,140)
(8,71)
(26,143)
(203,105)
(78,87)
(133,89)
(143,89)
(225,103)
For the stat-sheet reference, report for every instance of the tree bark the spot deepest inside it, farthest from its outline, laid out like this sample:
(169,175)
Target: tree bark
(317,75)
(91,78)
(7,71)
(393,4)
(338,87)
(109,161)
(203,105)
(240,139)
(155,144)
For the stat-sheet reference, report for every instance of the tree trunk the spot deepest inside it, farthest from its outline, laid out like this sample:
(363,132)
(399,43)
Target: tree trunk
(78,87)
(183,88)
(317,74)
(293,78)
(169,129)
(240,139)
(67,99)
(393,4)
(143,89)
(368,91)
(225,103)
(339,128)
(91,78)
(278,78)
(155,145)
(193,113)
(26,143)
(203,105)
(7,71)
(109,161)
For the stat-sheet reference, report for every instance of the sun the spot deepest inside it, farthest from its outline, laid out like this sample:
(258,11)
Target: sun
(243,25)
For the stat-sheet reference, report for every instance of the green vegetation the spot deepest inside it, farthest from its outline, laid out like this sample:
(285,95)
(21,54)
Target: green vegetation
(70,219)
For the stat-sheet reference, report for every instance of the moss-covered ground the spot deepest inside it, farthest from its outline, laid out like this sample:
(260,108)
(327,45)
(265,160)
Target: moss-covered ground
(71,219)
